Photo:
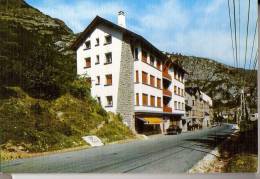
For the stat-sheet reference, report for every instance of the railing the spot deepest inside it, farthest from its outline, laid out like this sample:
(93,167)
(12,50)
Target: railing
(167,108)
(167,92)
(167,75)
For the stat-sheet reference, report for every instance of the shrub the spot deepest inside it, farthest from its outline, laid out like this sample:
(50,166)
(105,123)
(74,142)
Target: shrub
(79,88)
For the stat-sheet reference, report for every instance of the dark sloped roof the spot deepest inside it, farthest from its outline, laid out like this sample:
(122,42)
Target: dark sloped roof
(98,20)
(192,90)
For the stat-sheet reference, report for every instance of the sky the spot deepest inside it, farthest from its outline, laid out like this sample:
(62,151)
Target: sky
(190,27)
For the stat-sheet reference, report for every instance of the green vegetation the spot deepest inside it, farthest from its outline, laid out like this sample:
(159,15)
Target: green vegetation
(36,125)
(241,150)
(44,106)
(242,163)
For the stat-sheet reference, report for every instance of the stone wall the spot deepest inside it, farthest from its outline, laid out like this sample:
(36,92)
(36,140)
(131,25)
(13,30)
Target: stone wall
(125,100)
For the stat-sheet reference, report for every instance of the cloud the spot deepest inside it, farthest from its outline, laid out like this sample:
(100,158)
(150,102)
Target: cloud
(199,28)
(77,14)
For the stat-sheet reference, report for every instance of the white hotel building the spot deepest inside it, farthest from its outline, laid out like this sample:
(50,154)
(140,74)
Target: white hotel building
(130,76)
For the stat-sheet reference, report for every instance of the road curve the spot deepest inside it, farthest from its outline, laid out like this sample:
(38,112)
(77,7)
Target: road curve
(159,154)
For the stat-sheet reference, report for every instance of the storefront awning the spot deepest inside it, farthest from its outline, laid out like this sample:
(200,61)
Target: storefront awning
(152,120)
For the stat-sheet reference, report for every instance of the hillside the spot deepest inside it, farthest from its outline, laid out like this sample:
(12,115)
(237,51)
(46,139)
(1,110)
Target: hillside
(44,106)
(222,82)
(26,35)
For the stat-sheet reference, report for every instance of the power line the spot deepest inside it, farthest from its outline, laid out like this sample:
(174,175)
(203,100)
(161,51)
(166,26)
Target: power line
(235,27)
(230,26)
(248,13)
(256,59)
(252,49)
(239,33)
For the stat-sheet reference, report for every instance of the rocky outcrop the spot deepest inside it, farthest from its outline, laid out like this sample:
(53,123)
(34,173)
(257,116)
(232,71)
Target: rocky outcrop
(221,82)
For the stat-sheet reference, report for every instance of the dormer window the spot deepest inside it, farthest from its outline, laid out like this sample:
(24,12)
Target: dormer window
(108,39)
(108,58)
(97,42)
(88,45)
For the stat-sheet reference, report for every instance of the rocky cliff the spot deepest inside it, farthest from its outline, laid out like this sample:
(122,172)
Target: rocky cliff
(222,82)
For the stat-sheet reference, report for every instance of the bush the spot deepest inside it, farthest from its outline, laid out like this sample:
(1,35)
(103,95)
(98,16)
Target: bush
(79,88)
(115,130)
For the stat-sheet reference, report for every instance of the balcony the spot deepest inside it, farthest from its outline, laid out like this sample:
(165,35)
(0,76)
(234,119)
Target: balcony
(167,109)
(167,93)
(167,76)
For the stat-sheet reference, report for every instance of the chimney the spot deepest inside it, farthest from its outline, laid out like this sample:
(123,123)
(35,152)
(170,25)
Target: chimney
(121,19)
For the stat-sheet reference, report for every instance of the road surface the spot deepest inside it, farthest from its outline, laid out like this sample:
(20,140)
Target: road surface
(158,154)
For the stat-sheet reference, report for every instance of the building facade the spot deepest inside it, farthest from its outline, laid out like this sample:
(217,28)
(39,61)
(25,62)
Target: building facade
(198,109)
(130,76)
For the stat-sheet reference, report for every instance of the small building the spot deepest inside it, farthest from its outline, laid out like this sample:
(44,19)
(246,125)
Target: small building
(198,106)
(130,76)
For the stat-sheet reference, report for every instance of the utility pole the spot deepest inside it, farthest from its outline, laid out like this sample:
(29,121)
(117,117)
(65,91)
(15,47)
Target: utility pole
(242,105)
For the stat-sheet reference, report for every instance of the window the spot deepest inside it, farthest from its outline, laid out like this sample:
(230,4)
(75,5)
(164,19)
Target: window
(158,65)
(108,39)
(175,74)
(108,80)
(182,106)
(88,62)
(179,91)
(109,101)
(88,44)
(158,83)
(144,78)
(152,60)
(99,100)
(179,105)
(175,89)
(159,102)
(137,99)
(98,80)
(144,56)
(175,104)
(193,102)
(152,83)
(136,76)
(145,99)
(97,42)
(136,54)
(152,101)
(97,60)
(108,58)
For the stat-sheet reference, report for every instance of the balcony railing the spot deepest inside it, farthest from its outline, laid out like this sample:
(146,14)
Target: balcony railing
(167,92)
(167,108)
(167,76)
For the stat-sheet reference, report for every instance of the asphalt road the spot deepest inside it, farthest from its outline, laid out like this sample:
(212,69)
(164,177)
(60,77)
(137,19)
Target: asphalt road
(158,154)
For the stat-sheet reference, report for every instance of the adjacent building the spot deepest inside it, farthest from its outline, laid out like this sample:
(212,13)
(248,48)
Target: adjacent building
(198,107)
(131,76)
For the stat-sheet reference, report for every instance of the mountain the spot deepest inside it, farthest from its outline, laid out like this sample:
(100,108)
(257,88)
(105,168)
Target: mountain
(221,82)
(44,106)
(34,50)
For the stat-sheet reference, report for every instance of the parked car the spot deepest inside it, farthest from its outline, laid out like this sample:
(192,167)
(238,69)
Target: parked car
(254,117)
(173,129)
(235,127)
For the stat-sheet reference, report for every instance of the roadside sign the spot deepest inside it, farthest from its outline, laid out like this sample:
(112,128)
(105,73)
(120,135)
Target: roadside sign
(94,141)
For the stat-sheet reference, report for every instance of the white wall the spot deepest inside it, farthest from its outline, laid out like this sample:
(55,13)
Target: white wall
(175,97)
(141,88)
(101,69)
